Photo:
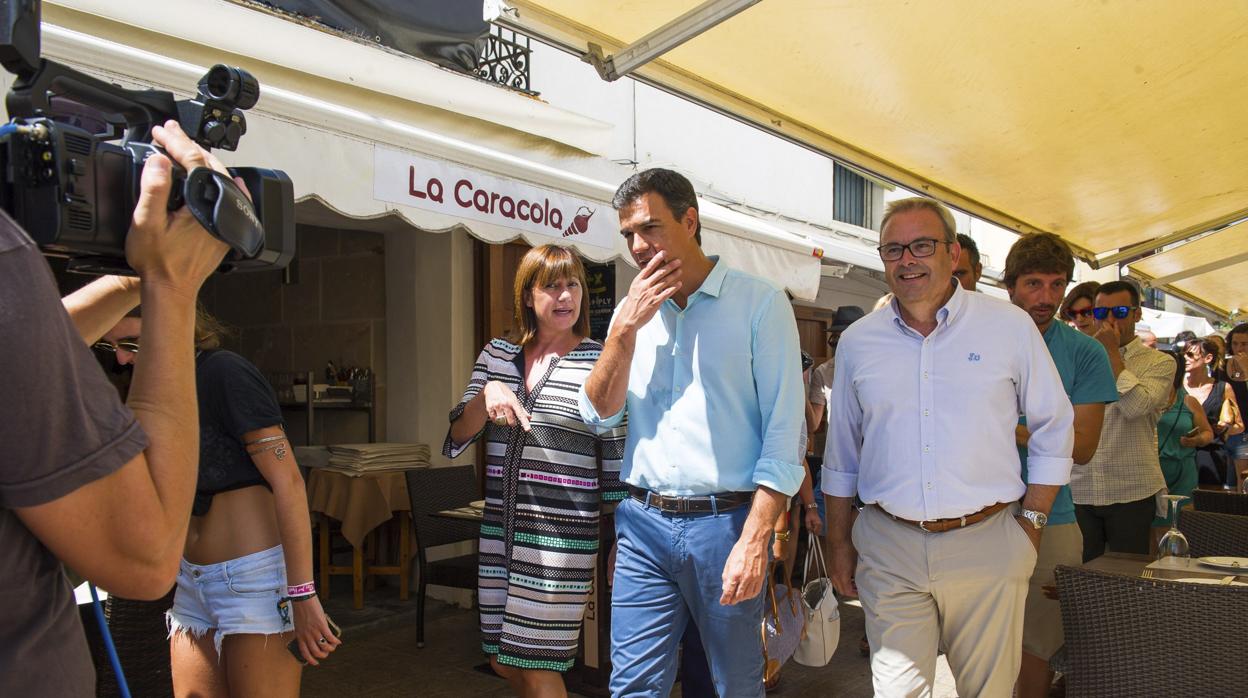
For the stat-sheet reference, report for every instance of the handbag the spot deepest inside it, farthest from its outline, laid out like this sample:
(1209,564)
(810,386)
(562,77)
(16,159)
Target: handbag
(820,611)
(782,625)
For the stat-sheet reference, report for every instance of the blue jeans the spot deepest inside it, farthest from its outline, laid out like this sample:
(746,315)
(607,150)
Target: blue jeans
(668,571)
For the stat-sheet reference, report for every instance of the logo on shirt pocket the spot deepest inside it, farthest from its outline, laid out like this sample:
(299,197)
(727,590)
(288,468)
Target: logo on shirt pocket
(973,357)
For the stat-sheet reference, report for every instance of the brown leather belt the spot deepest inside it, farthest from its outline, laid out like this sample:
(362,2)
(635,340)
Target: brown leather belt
(942,525)
(724,501)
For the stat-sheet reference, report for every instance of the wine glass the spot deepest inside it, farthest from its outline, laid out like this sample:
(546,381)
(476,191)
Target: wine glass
(1174,543)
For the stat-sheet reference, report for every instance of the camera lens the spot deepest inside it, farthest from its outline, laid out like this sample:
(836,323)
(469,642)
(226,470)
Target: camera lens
(233,85)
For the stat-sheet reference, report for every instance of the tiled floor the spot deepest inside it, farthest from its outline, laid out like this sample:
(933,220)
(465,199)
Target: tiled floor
(379,656)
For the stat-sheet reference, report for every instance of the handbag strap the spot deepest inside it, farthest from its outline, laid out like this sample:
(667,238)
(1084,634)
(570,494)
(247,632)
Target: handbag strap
(814,556)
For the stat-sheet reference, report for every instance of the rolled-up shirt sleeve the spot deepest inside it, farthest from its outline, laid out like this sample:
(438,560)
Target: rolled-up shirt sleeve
(781,396)
(591,417)
(1050,416)
(843,450)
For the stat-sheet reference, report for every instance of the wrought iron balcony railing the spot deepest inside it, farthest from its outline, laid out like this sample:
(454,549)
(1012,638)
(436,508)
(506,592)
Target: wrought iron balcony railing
(505,60)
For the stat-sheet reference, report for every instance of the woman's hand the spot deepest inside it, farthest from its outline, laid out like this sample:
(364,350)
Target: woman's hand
(502,403)
(312,631)
(1188,442)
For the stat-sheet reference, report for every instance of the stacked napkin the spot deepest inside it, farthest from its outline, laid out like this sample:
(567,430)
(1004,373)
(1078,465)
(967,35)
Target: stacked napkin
(360,459)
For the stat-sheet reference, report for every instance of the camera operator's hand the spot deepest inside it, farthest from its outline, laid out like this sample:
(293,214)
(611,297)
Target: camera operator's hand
(171,248)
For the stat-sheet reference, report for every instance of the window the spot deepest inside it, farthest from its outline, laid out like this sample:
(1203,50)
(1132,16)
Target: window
(851,197)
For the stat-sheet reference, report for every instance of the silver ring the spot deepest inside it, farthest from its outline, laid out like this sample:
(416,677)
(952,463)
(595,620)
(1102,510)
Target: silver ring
(501,421)
(322,641)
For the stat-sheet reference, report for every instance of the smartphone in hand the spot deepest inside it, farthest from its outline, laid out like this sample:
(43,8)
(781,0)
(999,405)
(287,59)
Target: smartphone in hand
(293,647)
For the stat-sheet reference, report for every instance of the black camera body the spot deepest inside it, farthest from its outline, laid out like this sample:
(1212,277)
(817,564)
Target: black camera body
(72,155)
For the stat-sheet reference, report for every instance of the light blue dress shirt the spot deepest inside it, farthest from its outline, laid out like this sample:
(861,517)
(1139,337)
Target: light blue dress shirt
(715,395)
(924,426)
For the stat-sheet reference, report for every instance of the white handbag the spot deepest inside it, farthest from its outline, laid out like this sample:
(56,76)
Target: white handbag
(819,605)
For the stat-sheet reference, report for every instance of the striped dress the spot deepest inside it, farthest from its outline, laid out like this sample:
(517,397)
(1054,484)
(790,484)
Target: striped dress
(543,494)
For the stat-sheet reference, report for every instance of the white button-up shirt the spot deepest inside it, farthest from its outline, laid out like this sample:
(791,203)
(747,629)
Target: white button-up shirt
(924,426)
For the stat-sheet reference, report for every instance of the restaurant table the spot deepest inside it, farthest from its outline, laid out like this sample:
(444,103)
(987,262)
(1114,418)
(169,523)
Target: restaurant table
(362,504)
(1166,568)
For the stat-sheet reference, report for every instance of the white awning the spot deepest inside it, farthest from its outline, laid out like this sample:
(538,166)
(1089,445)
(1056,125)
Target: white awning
(348,163)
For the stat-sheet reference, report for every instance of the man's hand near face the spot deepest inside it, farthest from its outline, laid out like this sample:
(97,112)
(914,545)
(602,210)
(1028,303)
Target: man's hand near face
(1107,334)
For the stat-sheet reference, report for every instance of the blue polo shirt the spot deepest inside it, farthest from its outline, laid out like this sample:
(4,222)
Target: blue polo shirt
(1084,368)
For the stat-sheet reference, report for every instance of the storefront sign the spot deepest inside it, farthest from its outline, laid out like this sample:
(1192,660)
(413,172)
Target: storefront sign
(601,279)
(455,190)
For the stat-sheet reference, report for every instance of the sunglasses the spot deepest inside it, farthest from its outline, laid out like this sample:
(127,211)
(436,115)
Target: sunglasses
(1120,312)
(130,344)
(1072,314)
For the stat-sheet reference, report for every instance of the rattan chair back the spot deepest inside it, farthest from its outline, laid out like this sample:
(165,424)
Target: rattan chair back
(1214,534)
(438,489)
(1129,636)
(1221,502)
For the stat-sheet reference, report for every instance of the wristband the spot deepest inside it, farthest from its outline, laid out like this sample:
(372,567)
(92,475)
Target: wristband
(305,597)
(301,589)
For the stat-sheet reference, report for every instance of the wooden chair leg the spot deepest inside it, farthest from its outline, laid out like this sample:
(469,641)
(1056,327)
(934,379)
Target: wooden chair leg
(323,535)
(357,578)
(405,553)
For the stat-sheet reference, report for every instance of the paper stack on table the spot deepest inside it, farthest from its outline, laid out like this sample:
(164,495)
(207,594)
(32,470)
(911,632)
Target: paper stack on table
(360,459)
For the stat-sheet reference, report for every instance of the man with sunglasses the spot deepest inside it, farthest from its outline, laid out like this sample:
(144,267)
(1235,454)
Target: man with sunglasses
(1114,493)
(1037,270)
(925,397)
(86,481)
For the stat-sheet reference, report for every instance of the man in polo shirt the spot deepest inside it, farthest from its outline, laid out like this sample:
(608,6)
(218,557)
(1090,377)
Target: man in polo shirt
(942,552)
(1037,271)
(704,360)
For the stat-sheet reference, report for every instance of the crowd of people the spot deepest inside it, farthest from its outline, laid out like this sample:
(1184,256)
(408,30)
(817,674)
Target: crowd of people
(954,450)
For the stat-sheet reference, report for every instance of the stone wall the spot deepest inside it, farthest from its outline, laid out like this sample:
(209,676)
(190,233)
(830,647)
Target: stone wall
(335,310)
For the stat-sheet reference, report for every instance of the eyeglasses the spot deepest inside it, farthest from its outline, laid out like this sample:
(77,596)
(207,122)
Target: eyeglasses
(923,247)
(1120,311)
(130,344)
(1086,312)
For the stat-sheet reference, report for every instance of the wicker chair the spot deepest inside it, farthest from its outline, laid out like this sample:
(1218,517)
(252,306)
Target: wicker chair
(432,490)
(141,638)
(1214,534)
(1221,502)
(1129,636)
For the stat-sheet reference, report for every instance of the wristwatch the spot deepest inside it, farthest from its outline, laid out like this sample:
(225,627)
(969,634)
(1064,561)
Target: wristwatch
(1038,519)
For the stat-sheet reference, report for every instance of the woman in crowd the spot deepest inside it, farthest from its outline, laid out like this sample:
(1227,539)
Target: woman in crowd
(1217,400)
(546,475)
(1181,430)
(1077,308)
(234,610)
(1236,373)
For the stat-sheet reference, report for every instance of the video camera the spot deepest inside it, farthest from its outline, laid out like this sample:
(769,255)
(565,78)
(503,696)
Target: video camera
(74,190)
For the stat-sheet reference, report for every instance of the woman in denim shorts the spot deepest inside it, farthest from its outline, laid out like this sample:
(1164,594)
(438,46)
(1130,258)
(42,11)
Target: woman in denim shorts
(244,589)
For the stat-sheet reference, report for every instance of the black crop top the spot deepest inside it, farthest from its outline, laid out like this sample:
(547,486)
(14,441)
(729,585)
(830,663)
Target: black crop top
(234,398)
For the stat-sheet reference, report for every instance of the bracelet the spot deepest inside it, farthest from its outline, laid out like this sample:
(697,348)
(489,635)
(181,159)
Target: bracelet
(783,536)
(305,597)
(811,505)
(301,589)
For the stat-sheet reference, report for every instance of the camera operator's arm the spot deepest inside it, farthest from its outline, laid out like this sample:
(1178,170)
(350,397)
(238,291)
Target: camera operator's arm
(126,530)
(99,305)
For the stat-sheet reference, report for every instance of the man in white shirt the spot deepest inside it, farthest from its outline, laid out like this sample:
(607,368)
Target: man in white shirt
(927,393)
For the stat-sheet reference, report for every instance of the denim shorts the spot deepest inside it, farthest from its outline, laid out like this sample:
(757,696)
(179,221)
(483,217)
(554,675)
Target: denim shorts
(238,596)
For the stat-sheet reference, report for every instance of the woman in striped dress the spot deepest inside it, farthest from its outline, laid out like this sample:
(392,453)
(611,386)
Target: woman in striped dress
(547,475)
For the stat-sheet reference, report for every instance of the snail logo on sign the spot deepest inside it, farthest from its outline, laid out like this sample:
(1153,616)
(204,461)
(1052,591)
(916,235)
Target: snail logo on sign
(454,190)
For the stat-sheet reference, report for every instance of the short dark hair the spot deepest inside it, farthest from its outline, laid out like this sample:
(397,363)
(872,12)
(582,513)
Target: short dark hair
(1241,328)
(1086,290)
(1118,287)
(1038,253)
(969,247)
(675,189)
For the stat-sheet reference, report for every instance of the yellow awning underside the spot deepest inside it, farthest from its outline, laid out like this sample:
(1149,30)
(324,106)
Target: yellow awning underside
(1108,123)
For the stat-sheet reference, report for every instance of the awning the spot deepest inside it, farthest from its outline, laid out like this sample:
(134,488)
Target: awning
(360,165)
(1107,123)
(1167,325)
(1214,266)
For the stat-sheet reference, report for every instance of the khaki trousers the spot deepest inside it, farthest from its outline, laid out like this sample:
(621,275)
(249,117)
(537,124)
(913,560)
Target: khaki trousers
(962,590)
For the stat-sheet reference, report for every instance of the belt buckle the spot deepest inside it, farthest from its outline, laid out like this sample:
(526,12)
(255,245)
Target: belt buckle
(923,527)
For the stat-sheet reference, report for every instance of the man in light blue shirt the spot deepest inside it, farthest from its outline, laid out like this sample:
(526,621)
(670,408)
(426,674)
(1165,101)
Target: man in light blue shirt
(924,404)
(1037,271)
(704,360)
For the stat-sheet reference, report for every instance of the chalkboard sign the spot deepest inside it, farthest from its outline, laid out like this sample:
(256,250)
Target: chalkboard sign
(601,278)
